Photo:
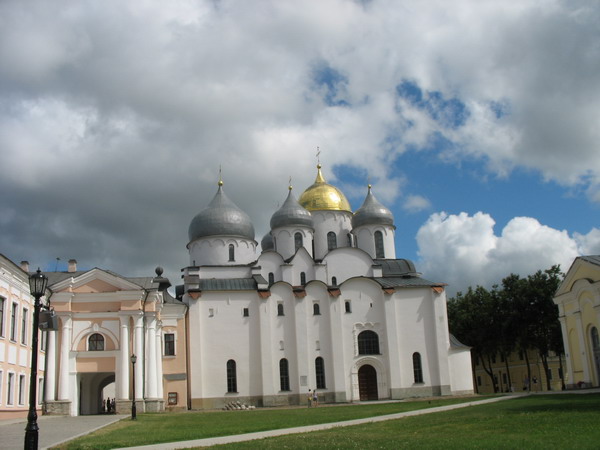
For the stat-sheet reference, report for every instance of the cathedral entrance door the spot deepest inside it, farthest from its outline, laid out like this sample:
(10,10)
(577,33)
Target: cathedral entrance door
(367,383)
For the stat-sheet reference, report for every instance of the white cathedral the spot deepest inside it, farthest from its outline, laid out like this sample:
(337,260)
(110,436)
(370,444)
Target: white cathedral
(326,306)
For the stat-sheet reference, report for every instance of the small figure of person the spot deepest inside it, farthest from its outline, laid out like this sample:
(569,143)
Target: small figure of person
(309,398)
(108,405)
(526,384)
(315,398)
(113,406)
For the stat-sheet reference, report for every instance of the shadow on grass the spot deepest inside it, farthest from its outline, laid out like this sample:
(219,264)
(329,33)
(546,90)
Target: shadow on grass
(555,403)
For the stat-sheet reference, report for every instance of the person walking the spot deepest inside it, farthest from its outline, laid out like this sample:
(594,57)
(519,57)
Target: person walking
(309,398)
(315,398)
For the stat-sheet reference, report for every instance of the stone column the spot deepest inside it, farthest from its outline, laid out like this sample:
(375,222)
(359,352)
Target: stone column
(65,349)
(159,366)
(582,346)
(139,352)
(569,356)
(50,381)
(122,375)
(151,388)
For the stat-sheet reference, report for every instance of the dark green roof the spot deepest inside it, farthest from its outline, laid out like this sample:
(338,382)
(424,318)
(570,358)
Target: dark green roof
(393,282)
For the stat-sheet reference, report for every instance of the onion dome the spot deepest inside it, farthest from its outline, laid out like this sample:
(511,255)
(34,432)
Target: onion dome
(291,214)
(221,217)
(267,243)
(372,213)
(323,196)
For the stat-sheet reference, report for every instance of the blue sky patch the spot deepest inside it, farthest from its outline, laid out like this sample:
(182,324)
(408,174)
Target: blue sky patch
(327,79)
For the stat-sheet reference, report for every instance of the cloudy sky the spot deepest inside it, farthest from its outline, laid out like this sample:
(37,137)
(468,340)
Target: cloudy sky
(477,122)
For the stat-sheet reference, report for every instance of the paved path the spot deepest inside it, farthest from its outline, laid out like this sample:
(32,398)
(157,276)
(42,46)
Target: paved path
(53,429)
(207,442)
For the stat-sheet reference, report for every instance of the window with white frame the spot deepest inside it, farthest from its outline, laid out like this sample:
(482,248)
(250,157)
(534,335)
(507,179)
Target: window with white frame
(21,389)
(96,342)
(2,306)
(24,317)
(13,321)
(10,389)
(169,344)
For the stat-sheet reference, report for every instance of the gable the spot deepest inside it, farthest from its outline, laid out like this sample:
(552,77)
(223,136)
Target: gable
(584,268)
(95,281)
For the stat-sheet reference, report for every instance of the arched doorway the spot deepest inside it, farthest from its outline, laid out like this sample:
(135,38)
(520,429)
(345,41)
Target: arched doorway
(596,352)
(91,386)
(367,383)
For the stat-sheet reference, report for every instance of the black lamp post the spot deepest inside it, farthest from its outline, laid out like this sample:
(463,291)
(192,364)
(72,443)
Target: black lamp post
(37,288)
(133,407)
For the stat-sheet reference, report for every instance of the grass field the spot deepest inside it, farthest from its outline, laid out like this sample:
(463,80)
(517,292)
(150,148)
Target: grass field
(539,421)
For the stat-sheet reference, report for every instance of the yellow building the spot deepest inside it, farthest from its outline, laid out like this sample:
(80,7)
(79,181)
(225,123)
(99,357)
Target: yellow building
(519,381)
(578,300)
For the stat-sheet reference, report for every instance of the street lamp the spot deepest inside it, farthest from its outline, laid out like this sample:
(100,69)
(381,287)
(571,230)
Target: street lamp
(133,407)
(37,287)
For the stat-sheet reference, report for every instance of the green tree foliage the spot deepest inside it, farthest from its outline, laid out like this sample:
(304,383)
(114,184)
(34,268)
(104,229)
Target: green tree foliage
(519,315)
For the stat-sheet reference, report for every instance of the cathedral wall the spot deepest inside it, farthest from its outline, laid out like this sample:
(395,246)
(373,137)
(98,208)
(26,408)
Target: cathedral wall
(346,263)
(285,243)
(214,250)
(340,222)
(365,240)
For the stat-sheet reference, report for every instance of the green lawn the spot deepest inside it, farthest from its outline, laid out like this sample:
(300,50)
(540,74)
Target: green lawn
(170,427)
(569,421)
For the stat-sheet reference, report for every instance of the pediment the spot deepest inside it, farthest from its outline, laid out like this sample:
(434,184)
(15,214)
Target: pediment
(579,270)
(95,281)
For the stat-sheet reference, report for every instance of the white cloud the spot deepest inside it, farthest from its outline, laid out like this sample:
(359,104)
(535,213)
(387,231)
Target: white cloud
(415,203)
(464,250)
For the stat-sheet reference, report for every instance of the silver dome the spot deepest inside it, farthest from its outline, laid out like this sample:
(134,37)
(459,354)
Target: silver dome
(267,243)
(291,214)
(221,217)
(372,213)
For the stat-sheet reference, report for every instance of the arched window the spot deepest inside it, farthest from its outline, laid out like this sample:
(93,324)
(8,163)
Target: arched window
(368,343)
(333,281)
(302,278)
(297,241)
(280,309)
(320,372)
(231,252)
(331,241)
(284,375)
(316,309)
(231,376)
(349,239)
(348,306)
(96,342)
(379,252)
(417,367)
(271,278)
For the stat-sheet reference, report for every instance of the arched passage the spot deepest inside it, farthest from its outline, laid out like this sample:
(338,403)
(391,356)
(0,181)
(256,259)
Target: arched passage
(596,352)
(367,383)
(91,386)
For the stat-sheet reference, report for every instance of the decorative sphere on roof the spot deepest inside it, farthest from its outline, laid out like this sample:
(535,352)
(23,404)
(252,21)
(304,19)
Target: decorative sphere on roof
(291,214)
(267,242)
(372,213)
(221,217)
(323,196)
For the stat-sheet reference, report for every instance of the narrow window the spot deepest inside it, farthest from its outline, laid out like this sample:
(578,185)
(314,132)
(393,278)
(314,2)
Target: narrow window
(231,252)
(246,312)
(13,322)
(43,340)
(271,278)
(302,278)
(10,393)
(21,389)
(96,342)
(333,281)
(505,378)
(379,253)
(368,343)
(280,309)
(41,391)
(348,306)
(320,373)
(417,368)
(331,241)
(297,241)
(349,240)
(316,309)
(211,312)
(284,375)
(478,380)
(1,384)
(24,326)
(231,376)
(169,344)
(2,303)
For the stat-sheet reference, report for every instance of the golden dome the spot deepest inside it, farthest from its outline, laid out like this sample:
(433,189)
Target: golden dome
(323,196)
